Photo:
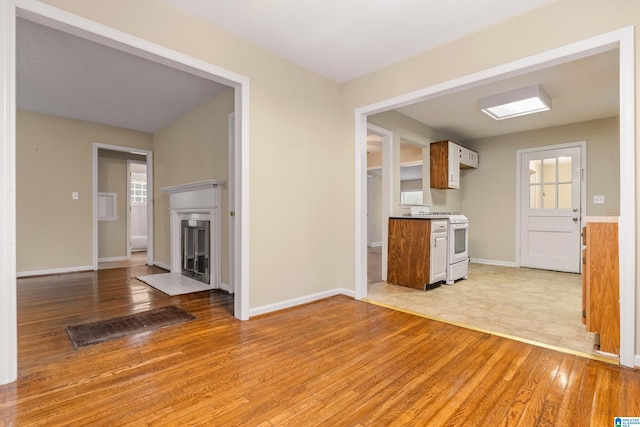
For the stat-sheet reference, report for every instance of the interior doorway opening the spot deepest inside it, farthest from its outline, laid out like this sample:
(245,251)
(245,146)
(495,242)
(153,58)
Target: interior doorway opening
(622,40)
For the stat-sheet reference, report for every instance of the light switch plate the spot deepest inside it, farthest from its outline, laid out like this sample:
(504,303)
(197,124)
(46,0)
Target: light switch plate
(598,200)
(74,195)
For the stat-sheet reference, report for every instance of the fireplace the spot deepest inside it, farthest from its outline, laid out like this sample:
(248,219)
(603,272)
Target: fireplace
(196,250)
(195,230)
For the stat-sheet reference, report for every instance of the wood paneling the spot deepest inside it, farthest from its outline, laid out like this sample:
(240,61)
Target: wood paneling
(409,251)
(601,299)
(335,362)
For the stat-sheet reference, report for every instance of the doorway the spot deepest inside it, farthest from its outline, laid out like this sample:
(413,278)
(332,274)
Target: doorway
(137,191)
(622,40)
(47,15)
(551,200)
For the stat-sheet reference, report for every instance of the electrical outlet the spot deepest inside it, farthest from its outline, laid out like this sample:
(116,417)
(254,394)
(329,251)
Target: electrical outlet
(598,200)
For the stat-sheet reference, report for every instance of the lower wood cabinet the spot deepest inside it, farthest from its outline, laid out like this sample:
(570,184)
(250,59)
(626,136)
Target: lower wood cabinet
(600,283)
(412,250)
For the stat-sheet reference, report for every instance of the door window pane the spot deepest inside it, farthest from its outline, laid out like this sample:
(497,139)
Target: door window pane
(564,196)
(549,196)
(535,196)
(535,171)
(564,169)
(550,183)
(549,170)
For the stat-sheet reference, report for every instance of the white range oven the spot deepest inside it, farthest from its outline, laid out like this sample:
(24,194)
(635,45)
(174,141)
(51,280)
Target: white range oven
(458,245)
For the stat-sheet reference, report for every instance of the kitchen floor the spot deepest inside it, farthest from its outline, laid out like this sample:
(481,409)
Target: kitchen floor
(542,307)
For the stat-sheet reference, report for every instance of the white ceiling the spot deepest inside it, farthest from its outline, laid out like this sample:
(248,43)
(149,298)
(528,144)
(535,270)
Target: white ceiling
(67,76)
(345,39)
(581,90)
(64,75)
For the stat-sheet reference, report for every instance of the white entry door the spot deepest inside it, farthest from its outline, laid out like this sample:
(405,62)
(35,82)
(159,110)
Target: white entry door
(550,209)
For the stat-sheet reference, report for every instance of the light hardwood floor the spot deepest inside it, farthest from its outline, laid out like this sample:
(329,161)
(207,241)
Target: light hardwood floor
(137,258)
(334,362)
(543,307)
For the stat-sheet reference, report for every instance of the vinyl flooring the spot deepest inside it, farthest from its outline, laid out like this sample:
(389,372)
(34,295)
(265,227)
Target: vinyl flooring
(542,307)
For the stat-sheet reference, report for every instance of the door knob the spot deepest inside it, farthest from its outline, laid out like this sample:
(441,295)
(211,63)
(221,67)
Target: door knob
(575,219)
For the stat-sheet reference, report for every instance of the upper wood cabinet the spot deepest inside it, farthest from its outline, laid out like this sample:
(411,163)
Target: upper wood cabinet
(447,158)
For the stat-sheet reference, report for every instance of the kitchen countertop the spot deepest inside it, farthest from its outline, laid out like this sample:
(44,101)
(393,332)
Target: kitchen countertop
(421,217)
(600,219)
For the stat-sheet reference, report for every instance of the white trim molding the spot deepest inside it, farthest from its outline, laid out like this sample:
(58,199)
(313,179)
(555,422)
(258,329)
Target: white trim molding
(493,262)
(301,300)
(8,305)
(622,39)
(51,271)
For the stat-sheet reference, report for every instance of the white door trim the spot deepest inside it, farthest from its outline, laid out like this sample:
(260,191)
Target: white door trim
(583,186)
(56,18)
(622,39)
(231,250)
(387,194)
(149,206)
(131,150)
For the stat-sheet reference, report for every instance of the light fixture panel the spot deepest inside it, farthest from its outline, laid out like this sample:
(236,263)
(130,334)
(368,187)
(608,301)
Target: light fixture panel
(515,103)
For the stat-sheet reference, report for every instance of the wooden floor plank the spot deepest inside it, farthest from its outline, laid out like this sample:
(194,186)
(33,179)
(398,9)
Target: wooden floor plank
(332,362)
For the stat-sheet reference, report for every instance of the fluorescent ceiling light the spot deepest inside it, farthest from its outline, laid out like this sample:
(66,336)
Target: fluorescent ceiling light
(528,100)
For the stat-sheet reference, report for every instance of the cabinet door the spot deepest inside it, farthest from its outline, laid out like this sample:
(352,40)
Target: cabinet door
(468,158)
(438,257)
(409,245)
(454,165)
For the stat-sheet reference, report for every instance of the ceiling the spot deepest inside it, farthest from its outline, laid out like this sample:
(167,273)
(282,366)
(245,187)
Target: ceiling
(345,39)
(68,76)
(581,90)
(61,74)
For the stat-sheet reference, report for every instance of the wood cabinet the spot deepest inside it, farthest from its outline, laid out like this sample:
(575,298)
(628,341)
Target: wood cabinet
(446,160)
(438,251)
(412,250)
(469,159)
(600,283)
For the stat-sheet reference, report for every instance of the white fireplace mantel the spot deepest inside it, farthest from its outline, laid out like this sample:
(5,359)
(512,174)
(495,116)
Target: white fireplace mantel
(196,201)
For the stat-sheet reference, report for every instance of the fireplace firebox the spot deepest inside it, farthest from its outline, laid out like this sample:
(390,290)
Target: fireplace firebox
(196,250)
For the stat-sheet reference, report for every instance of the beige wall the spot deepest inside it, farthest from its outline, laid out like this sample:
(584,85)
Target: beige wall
(408,130)
(112,178)
(54,159)
(489,192)
(302,125)
(193,148)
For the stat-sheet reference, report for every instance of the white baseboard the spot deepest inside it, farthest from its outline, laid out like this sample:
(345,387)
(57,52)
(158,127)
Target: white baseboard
(637,361)
(113,258)
(226,287)
(375,244)
(162,265)
(493,262)
(52,271)
(299,301)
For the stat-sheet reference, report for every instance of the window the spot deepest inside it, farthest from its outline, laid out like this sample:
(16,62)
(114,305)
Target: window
(550,183)
(412,197)
(138,188)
